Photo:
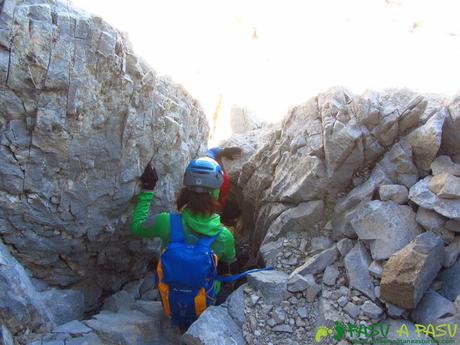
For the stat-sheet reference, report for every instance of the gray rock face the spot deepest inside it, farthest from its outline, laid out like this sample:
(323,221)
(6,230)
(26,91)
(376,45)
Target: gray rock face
(23,309)
(320,243)
(376,269)
(453,225)
(426,140)
(451,281)
(81,116)
(421,194)
(429,220)
(298,283)
(73,327)
(433,306)
(64,305)
(214,327)
(272,284)
(318,262)
(235,306)
(451,253)
(410,271)
(299,218)
(451,132)
(128,327)
(330,275)
(445,186)
(119,301)
(357,264)
(5,336)
(394,192)
(443,164)
(344,246)
(387,225)
(372,310)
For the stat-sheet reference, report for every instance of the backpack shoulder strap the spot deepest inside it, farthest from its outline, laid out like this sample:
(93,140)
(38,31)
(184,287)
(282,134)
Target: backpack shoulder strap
(177,230)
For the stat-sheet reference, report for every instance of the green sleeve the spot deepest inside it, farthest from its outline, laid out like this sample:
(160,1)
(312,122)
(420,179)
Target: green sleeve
(144,226)
(229,253)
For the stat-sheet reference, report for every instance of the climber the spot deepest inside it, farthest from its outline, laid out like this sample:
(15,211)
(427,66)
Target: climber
(198,223)
(217,153)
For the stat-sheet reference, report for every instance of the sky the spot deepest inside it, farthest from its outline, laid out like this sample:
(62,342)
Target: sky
(268,56)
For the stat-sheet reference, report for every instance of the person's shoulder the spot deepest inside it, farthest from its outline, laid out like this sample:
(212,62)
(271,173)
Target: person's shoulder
(226,234)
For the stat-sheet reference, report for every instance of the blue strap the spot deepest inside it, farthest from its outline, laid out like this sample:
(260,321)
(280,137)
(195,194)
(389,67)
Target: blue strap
(234,277)
(177,230)
(208,241)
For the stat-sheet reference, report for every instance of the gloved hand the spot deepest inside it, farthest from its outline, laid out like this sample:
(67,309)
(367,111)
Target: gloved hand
(149,178)
(230,152)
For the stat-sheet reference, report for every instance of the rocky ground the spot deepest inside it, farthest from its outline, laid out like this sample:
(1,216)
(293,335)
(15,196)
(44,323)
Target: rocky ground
(353,199)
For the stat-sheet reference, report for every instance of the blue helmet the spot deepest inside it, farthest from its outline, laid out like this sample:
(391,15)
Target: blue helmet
(203,174)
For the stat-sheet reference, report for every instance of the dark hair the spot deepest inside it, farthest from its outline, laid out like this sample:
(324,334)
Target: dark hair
(197,203)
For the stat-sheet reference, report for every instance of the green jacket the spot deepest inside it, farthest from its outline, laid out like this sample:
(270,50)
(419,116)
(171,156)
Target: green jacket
(194,226)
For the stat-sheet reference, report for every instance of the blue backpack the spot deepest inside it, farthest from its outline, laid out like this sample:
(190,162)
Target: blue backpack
(186,274)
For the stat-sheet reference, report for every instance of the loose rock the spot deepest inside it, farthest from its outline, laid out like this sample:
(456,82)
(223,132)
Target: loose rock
(394,192)
(357,264)
(409,272)
(389,227)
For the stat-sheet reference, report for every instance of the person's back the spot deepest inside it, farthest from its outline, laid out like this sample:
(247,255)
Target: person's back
(198,222)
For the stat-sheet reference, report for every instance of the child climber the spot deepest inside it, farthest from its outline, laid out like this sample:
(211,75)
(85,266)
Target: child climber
(193,241)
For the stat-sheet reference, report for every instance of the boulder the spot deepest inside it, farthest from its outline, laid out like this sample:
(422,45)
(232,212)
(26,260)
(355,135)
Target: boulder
(318,262)
(299,218)
(398,165)
(450,279)
(214,327)
(410,271)
(421,194)
(357,263)
(433,306)
(272,285)
(5,336)
(235,306)
(388,227)
(426,140)
(118,302)
(394,192)
(445,186)
(320,243)
(344,246)
(127,327)
(352,310)
(450,135)
(376,269)
(371,310)
(330,275)
(22,310)
(430,220)
(82,116)
(64,305)
(299,283)
(451,253)
(443,164)
(73,328)
(394,311)
(452,225)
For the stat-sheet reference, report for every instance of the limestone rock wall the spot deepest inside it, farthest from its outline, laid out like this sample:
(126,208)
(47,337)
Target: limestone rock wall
(80,117)
(338,141)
